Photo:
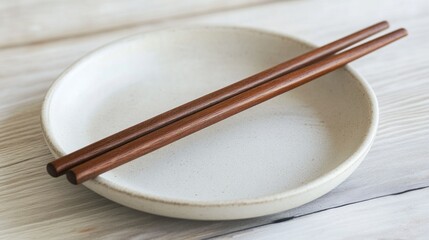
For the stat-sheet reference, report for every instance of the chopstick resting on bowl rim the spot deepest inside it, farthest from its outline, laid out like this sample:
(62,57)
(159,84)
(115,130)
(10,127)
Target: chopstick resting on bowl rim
(61,165)
(222,110)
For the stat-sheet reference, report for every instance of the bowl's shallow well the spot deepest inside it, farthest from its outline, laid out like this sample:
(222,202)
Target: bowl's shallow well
(278,155)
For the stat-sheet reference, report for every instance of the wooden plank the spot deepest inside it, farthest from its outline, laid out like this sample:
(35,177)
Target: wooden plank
(403,216)
(29,21)
(35,205)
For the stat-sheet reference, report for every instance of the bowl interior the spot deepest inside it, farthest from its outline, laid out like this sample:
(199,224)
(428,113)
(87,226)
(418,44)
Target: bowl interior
(274,147)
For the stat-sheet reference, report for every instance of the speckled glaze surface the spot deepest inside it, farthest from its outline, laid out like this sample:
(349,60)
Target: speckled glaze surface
(278,155)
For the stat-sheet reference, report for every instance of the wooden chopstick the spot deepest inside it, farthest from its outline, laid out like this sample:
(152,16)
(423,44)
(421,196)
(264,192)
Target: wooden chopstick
(61,165)
(222,110)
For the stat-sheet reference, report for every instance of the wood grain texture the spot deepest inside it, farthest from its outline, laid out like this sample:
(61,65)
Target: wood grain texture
(393,217)
(396,162)
(29,21)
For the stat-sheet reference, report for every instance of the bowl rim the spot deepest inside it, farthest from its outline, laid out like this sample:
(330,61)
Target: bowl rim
(362,149)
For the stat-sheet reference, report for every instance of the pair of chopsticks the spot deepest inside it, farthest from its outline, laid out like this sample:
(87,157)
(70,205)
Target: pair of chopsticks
(154,133)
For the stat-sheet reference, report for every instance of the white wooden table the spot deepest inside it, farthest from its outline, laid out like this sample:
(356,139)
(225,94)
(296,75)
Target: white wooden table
(386,198)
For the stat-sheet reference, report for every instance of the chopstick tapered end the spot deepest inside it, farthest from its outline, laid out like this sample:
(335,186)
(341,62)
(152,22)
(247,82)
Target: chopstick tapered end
(51,170)
(71,177)
(385,24)
(397,34)
(403,31)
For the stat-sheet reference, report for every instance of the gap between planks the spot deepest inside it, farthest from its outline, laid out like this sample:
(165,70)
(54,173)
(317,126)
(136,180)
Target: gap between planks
(156,21)
(282,220)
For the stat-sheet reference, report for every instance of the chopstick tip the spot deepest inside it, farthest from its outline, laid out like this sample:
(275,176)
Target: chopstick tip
(398,33)
(385,23)
(51,170)
(71,177)
(403,31)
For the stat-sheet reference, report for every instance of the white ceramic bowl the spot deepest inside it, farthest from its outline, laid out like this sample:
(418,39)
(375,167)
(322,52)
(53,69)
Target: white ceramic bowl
(276,156)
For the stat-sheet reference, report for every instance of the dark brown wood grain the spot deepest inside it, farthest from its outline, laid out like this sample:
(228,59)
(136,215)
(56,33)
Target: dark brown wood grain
(61,165)
(222,110)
